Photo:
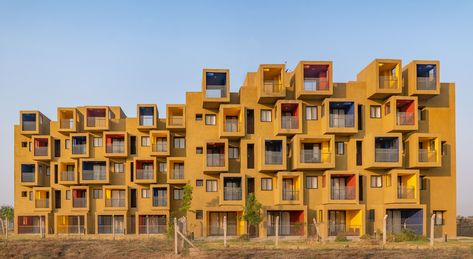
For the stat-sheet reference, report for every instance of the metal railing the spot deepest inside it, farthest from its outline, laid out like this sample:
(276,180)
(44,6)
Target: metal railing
(387,155)
(285,229)
(78,149)
(388,82)
(215,91)
(146,120)
(79,202)
(231,125)
(290,195)
(159,201)
(232,193)
(68,176)
(405,192)
(405,118)
(27,177)
(344,229)
(116,148)
(42,203)
(289,122)
(114,203)
(152,229)
(215,160)
(108,229)
(41,151)
(178,173)
(426,83)
(270,87)
(342,121)
(96,122)
(33,229)
(94,174)
(160,147)
(70,229)
(342,193)
(66,124)
(273,158)
(218,230)
(176,120)
(29,125)
(310,156)
(144,174)
(316,84)
(427,155)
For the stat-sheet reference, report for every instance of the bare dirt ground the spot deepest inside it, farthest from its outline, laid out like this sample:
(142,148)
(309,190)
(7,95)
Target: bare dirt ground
(161,248)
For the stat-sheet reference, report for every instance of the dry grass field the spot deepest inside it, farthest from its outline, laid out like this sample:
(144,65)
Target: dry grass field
(17,247)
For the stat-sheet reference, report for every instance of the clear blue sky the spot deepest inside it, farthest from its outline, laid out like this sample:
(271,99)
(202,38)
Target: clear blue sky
(71,53)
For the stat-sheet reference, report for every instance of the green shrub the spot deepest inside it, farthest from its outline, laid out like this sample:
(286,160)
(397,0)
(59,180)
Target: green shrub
(244,237)
(341,238)
(408,235)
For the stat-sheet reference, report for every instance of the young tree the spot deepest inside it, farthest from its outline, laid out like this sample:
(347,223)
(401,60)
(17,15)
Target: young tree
(6,212)
(252,213)
(186,199)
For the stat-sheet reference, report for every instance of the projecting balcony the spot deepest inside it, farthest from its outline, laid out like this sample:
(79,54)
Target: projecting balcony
(97,118)
(68,176)
(216,155)
(145,174)
(231,121)
(67,118)
(115,203)
(400,114)
(29,125)
(312,79)
(427,156)
(66,124)
(159,201)
(79,203)
(146,120)
(41,147)
(342,193)
(423,150)
(405,192)
(340,187)
(290,122)
(426,83)
(405,118)
(342,121)
(270,83)
(273,158)
(145,170)
(28,177)
(160,197)
(215,160)
(386,155)
(116,148)
(339,116)
(147,116)
(386,148)
(42,203)
(177,172)
(116,144)
(423,78)
(94,171)
(31,122)
(160,142)
(215,87)
(382,77)
(79,149)
(288,119)
(161,146)
(315,152)
(94,175)
(232,124)
(41,151)
(232,193)
(175,116)
(311,156)
(97,122)
(388,82)
(290,195)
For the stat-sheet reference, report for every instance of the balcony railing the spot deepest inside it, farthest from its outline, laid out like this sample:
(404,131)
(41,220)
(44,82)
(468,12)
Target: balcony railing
(27,177)
(342,120)
(311,156)
(343,193)
(232,193)
(70,229)
(316,84)
(290,195)
(343,229)
(79,149)
(426,83)
(67,123)
(29,125)
(427,155)
(176,120)
(215,160)
(144,174)
(108,229)
(289,122)
(405,192)
(94,175)
(231,125)
(388,82)
(79,202)
(215,91)
(160,147)
(159,201)
(178,173)
(270,87)
(116,148)
(217,230)
(152,229)
(286,229)
(68,176)
(146,120)
(42,203)
(405,118)
(41,151)
(114,203)
(32,229)
(96,122)
(387,155)
(273,158)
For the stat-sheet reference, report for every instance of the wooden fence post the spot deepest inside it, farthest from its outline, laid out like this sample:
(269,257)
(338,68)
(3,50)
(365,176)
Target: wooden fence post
(385,228)
(175,236)
(224,231)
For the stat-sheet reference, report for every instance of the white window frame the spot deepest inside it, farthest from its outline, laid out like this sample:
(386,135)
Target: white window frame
(211,186)
(311,182)
(266,115)
(210,119)
(145,141)
(266,184)
(376,181)
(98,141)
(179,142)
(311,113)
(145,193)
(233,153)
(375,111)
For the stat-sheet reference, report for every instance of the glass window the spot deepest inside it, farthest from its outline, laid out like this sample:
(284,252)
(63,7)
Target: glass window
(311,113)
(199,214)
(163,167)
(311,182)
(266,116)
(145,141)
(210,119)
(68,194)
(24,194)
(211,185)
(98,141)
(178,194)
(233,153)
(97,193)
(179,142)
(375,111)
(376,181)
(439,217)
(266,184)
(198,117)
(340,148)
(199,150)
(67,143)
(118,167)
(145,193)
(199,183)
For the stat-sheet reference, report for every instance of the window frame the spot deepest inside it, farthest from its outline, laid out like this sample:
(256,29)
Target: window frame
(213,183)
(145,193)
(377,112)
(377,180)
(232,151)
(310,183)
(179,142)
(316,115)
(145,141)
(264,184)
(180,194)
(210,122)
(339,151)
(265,118)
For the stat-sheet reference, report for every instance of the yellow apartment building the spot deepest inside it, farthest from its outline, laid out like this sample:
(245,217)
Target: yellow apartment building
(337,155)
